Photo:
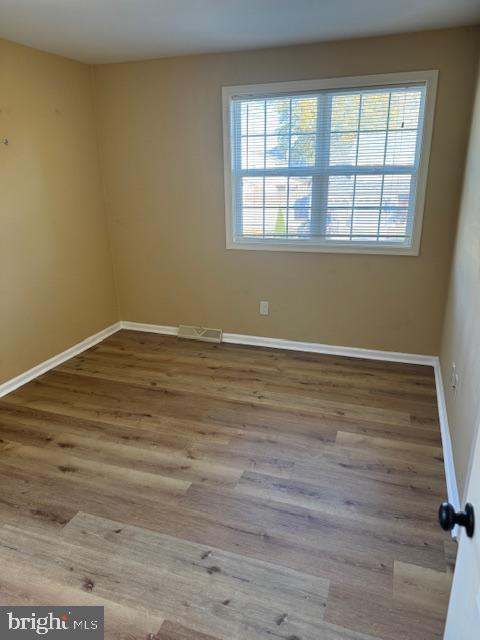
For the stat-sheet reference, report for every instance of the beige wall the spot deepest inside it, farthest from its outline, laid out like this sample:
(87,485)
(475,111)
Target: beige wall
(161,138)
(56,283)
(461,338)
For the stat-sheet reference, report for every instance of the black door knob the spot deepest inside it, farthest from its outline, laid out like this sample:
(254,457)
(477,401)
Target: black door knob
(448,518)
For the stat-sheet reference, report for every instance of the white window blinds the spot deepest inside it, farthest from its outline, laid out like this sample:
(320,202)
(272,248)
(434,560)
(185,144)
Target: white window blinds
(327,167)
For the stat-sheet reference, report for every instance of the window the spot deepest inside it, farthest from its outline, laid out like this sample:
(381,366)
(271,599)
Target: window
(328,165)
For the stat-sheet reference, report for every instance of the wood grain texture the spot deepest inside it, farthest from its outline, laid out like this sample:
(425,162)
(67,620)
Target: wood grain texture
(222,492)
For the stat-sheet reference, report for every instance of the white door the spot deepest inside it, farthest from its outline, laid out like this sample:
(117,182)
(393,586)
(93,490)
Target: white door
(463,620)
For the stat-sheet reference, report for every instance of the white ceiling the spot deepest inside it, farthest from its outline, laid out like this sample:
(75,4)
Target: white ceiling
(118,30)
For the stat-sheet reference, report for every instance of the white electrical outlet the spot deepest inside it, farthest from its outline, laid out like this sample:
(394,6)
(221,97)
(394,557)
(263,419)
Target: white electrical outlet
(263,307)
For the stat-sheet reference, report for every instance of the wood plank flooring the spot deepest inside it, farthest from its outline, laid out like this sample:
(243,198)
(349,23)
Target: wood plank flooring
(220,492)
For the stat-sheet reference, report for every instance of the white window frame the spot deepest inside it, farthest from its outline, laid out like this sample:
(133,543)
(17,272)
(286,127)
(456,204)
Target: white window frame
(429,78)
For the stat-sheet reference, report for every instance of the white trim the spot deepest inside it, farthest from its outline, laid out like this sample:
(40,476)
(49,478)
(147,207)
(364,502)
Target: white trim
(43,367)
(149,328)
(471,459)
(430,78)
(331,247)
(295,345)
(318,84)
(450,476)
(328,349)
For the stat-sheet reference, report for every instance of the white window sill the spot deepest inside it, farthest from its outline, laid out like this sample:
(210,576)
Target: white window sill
(323,248)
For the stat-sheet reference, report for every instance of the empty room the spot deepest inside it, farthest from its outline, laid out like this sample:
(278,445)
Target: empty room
(240,319)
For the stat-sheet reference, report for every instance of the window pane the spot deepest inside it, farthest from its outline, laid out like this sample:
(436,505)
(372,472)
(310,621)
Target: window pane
(278,116)
(396,191)
(340,191)
(371,148)
(345,112)
(275,221)
(299,222)
(243,117)
(338,224)
(401,147)
(253,151)
(277,151)
(374,111)
(252,192)
(405,109)
(304,115)
(343,148)
(302,151)
(368,191)
(255,118)
(276,191)
(299,206)
(252,222)
(300,192)
(394,224)
(365,224)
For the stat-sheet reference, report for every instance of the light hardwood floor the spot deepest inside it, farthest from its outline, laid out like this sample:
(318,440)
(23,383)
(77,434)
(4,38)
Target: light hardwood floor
(221,492)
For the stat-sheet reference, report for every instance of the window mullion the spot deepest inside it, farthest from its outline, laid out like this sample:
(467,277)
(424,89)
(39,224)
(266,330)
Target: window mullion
(356,165)
(380,206)
(320,178)
(237,181)
(264,159)
(289,156)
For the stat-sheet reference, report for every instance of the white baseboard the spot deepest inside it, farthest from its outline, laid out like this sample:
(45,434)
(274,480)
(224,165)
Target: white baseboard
(328,349)
(295,345)
(277,343)
(149,328)
(43,367)
(450,476)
